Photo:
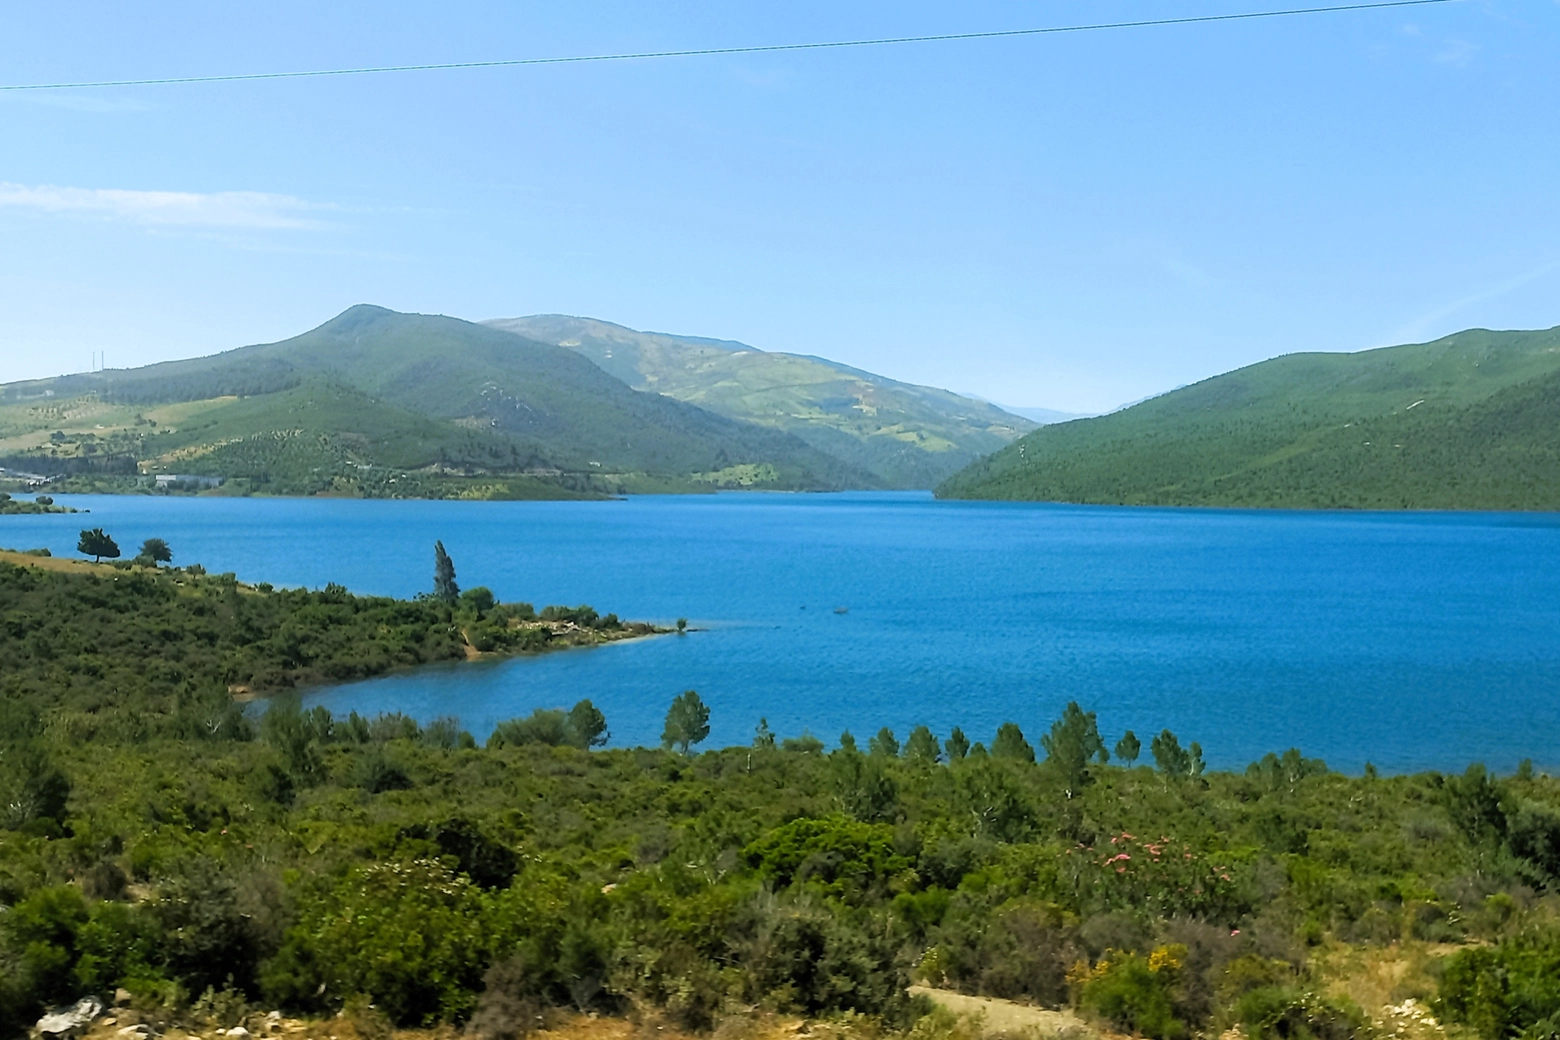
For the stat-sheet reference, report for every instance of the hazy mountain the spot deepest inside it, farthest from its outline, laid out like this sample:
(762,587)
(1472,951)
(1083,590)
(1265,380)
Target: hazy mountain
(1037,415)
(373,391)
(908,436)
(1471,421)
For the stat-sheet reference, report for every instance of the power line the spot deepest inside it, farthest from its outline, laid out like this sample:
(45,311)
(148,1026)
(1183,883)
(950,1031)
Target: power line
(237,77)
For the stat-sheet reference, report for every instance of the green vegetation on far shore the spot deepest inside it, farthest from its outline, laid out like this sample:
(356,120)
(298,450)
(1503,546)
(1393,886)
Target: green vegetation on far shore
(379,404)
(1465,422)
(40,504)
(155,837)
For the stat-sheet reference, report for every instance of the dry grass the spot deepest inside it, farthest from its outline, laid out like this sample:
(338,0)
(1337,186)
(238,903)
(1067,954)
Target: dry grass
(57,563)
(1393,985)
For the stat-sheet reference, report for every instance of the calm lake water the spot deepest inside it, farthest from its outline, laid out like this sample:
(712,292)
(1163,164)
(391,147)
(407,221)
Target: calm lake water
(1409,640)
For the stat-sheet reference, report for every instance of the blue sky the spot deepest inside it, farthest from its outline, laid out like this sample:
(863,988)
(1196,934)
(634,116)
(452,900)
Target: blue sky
(1071,221)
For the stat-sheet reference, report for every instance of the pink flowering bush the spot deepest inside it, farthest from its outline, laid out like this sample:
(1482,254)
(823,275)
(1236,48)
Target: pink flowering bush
(1165,877)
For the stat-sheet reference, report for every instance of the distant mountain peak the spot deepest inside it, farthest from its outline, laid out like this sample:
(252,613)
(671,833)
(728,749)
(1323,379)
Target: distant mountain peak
(909,436)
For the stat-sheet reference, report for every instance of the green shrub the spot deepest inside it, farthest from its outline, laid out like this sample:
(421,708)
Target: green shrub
(1136,993)
(1289,1013)
(836,856)
(1504,990)
(409,935)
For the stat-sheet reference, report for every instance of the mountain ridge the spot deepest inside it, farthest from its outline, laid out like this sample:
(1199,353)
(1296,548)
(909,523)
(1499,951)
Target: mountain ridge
(909,436)
(499,404)
(1462,422)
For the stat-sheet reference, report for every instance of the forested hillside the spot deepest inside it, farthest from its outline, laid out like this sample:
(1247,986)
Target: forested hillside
(376,402)
(907,436)
(214,863)
(1465,422)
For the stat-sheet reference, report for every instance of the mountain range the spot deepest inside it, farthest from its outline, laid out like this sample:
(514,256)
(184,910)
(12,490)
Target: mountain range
(1470,421)
(907,436)
(377,402)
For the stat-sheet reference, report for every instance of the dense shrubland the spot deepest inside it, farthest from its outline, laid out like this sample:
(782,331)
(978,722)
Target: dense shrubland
(157,839)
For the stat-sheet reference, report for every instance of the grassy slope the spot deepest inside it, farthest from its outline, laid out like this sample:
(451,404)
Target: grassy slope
(415,388)
(1465,422)
(910,436)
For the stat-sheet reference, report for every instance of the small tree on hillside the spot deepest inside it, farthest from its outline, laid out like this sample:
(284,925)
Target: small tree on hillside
(587,725)
(444,586)
(1074,742)
(1129,747)
(687,722)
(156,550)
(1010,743)
(958,745)
(1174,760)
(884,745)
(922,747)
(96,544)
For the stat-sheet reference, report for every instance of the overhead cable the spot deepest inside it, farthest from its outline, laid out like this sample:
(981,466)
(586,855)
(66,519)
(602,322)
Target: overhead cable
(706,51)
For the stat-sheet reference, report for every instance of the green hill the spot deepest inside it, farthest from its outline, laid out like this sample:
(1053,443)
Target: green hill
(374,398)
(907,436)
(1471,421)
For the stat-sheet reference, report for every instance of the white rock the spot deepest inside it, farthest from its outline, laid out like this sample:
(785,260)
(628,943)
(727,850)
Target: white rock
(238,1031)
(63,1023)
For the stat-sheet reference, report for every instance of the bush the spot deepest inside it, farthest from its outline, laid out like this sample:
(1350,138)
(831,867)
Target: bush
(1285,1013)
(31,787)
(1136,993)
(208,940)
(583,726)
(409,935)
(1506,989)
(512,1001)
(837,856)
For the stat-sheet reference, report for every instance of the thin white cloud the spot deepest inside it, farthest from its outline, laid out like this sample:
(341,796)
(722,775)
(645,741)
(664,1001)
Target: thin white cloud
(185,209)
(1420,327)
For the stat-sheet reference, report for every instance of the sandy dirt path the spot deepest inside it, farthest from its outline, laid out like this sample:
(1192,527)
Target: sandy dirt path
(1006,1018)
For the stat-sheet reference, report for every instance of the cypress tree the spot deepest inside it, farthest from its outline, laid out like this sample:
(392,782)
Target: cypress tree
(444,586)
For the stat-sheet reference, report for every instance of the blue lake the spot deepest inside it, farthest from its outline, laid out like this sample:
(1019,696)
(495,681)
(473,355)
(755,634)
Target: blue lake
(1423,640)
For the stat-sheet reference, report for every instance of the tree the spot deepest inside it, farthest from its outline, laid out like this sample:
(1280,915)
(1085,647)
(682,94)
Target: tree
(480,599)
(958,745)
(922,747)
(1129,747)
(587,726)
(444,586)
(582,726)
(156,550)
(884,745)
(865,789)
(1010,743)
(687,722)
(1074,742)
(96,544)
(1174,760)
(763,736)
